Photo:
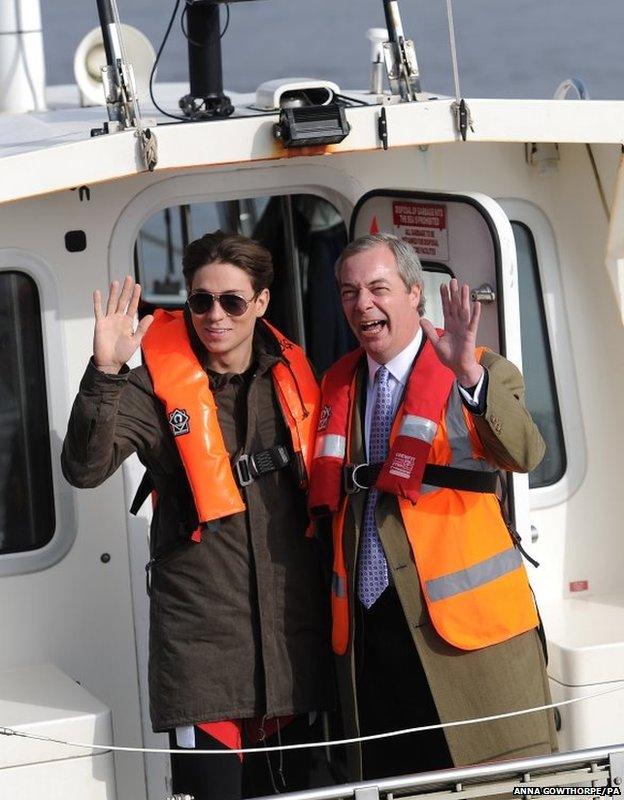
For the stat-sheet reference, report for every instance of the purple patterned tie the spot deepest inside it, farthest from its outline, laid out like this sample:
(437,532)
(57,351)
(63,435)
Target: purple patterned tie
(373,567)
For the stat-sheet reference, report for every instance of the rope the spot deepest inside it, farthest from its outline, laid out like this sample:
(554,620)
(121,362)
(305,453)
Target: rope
(307,745)
(461,112)
(117,20)
(155,67)
(453,46)
(601,191)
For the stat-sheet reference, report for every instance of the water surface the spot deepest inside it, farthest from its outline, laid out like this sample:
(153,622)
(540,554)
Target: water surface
(522,48)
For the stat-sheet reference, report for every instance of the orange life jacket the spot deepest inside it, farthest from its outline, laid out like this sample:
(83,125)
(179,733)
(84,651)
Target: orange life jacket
(472,577)
(182,385)
(428,388)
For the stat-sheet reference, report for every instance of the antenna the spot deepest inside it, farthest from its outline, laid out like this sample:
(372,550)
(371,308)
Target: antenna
(206,98)
(400,55)
(117,75)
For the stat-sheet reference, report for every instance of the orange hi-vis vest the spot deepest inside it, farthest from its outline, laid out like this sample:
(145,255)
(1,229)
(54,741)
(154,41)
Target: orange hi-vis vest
(182,385)
(472,576)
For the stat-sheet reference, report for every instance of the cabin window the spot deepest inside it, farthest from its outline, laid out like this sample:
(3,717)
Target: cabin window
(541,393)
(305,235)
(26,498)
(434,276)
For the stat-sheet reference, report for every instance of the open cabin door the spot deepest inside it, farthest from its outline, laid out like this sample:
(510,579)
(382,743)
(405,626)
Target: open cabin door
(467,236)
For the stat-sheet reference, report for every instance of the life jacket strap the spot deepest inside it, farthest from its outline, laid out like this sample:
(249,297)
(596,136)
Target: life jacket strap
(249,468)
(517,539)
(357,477)
(145,488)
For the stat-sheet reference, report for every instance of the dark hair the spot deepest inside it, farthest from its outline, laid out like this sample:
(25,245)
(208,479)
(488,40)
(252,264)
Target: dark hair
(229,248)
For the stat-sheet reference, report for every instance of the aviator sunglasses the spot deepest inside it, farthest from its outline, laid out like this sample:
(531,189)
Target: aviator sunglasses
(232,304)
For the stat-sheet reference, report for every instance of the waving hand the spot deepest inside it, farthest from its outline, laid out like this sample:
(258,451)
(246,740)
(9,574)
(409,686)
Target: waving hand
(455,347)
(115,338)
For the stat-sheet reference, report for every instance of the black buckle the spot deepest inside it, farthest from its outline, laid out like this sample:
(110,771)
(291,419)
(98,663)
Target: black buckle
(270,460)
(250,467)
(243,473)
(148,576)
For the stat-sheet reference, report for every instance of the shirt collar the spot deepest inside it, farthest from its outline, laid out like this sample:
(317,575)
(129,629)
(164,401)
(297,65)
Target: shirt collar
(399,366)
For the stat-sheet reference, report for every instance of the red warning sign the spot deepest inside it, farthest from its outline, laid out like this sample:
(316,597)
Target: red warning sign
(423,225)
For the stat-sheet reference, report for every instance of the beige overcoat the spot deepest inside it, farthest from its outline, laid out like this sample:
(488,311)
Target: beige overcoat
(464,684)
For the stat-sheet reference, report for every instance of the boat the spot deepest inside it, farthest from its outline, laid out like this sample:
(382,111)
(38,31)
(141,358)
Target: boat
(523,199)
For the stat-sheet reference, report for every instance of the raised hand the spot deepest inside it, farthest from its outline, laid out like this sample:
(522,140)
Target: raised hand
(455,348)
(115,338)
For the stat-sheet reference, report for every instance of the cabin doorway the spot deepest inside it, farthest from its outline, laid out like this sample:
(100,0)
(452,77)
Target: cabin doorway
(466,236)
(305,234)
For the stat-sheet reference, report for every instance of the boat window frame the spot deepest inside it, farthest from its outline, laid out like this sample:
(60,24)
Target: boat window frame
(437,267)
(531,255)
(221,186)
(55,371)
(564,374)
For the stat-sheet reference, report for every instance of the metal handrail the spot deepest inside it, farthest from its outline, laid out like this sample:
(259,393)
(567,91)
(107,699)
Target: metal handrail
(523,768)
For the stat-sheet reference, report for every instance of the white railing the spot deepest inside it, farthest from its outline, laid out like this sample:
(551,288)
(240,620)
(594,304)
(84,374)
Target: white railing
(595,772)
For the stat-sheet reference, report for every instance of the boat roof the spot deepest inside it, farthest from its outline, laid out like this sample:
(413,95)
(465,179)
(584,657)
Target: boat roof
(53,150)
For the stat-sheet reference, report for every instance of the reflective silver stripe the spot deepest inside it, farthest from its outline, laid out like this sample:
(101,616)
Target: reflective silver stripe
(418,428)
(339,586)
(477,575)
(459,437)
(331,445)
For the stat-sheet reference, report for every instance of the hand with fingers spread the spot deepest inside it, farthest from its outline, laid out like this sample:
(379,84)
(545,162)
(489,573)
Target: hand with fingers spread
(115,338)
(456,346)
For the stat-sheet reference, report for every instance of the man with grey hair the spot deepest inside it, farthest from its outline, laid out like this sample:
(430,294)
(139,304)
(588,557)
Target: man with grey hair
(433,617)
(408,264)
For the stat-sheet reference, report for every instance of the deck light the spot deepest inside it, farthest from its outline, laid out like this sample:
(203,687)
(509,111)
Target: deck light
(311,126)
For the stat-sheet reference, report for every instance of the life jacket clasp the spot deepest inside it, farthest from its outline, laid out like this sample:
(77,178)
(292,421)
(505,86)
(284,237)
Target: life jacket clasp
(241,467)
(250,467)
(351,483)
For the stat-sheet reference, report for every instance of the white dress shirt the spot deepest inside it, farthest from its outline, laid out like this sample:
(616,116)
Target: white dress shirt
(399,368)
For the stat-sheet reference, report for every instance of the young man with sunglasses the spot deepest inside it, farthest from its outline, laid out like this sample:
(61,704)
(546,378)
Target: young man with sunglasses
(222,414)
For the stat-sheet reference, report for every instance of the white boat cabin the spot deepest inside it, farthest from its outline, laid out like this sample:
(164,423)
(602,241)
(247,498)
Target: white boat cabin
(528,211)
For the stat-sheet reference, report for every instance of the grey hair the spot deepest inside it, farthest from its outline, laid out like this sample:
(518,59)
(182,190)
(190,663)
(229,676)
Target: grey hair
(407,261)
